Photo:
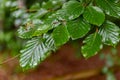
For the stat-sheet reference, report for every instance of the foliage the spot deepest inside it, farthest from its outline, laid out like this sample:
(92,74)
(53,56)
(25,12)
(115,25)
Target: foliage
(52,23)
(73,19)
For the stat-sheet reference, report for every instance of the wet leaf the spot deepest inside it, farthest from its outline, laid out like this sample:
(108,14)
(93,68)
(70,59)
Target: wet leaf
(70,10)
(94,15)
(110,33)
(33,53)
(78,28)
(60,35)
(110,7)
(92,44)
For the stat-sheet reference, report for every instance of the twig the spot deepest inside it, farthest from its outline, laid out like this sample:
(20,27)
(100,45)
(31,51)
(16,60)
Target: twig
(9,59)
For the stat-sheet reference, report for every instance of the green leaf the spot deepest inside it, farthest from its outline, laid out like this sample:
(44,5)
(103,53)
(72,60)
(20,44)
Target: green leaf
(52,4)
(110,33)
(70,10)
(94,15)
(109,7)
(48,24)
(52,21)
(36,6)
(39,14)
(49,42)
(34,52)
(25,33)
(78,28)
(93,43)
(34,28)
(60,35)
(41,29)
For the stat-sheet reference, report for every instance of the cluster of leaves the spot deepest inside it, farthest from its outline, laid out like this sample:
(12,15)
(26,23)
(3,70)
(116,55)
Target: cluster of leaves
(53,23)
